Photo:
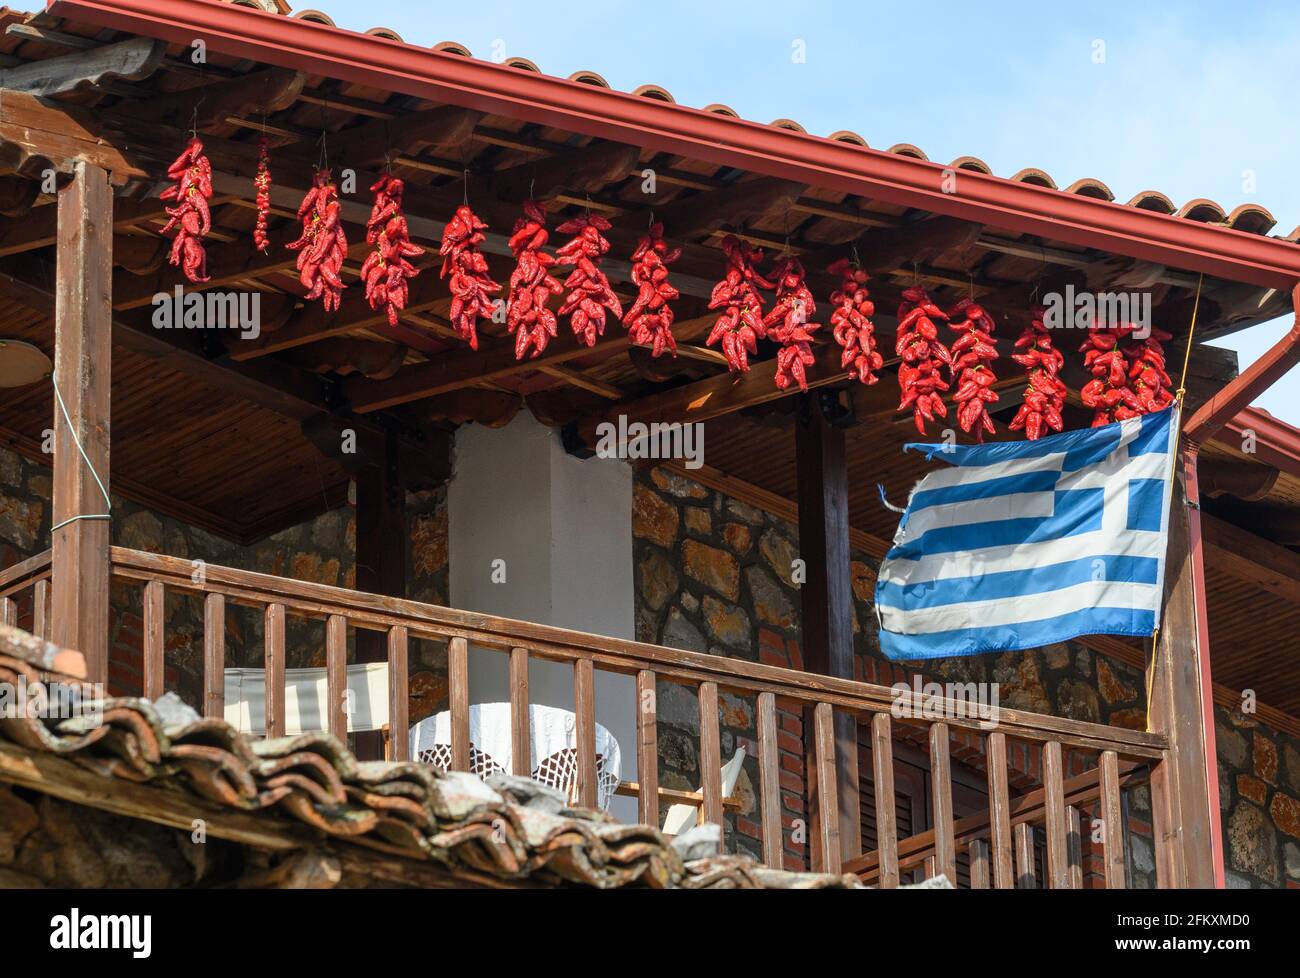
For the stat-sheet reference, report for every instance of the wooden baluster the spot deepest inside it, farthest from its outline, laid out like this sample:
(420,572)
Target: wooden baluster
(979,864)
(769,781)
(521,762)
(41,609)
(214,656)
(1074,847)
(710,754)
(1026,876)
(1112,827)
(1000,812)
(399,703)
(647,748)
(458,681)
(945,849)
(274,661)
(8,612)
(931,867)
(584,702)
(882,763)
(1058,868)
(827,799)
(336,676)
(1164,822)
(154,642)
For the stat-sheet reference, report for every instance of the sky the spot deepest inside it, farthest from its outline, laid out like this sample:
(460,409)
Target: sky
(1191,99)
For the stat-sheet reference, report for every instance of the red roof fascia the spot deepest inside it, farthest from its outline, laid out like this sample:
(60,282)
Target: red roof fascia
(1276,442)
(389,65)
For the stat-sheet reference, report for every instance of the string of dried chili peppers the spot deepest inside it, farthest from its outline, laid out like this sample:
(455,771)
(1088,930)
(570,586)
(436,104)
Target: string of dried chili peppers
(1045,395)
(387,270)
(192,173)
(920,375)
(471,287)
(531,284)
(589,292)
(650,319)
(789,324)
(974,353)
(323,244)
(740,326)
(263,184)
(1108,393)
(1146,370)
(851,322)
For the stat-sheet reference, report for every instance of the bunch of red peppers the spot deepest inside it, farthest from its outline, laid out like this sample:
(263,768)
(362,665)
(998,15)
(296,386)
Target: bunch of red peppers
(649,321)
(1045,395)
(973,354)
(263,184)
(851,322)
(740,326)
(531,284)
(192,173)
(920,375)
(789,324)
(472,288)
(589,292)
(323,244)
(387,270)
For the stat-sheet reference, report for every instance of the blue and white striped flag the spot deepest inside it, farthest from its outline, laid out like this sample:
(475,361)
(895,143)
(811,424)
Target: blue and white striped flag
(1021,544)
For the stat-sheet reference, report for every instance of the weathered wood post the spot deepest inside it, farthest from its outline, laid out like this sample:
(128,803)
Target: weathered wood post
(82,372)
(827,603)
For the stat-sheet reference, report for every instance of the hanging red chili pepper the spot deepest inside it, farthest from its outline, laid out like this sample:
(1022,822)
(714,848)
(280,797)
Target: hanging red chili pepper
(471,288)
(1045,395)
(1146,371)
(920,375)
(263,184)
(531,284)
(191,218)
(650,319)
(974,353)
(789,324)
(851,322)
(589,292)
(740,326)
(1108,393)
(323,244)
(387,270)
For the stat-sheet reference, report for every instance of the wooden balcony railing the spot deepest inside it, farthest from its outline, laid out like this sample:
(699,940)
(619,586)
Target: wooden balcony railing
(1000,843)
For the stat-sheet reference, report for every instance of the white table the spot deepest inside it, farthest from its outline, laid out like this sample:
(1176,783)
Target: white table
(552,742)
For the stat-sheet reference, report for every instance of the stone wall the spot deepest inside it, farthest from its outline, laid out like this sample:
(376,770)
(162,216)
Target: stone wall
(321,550)
(714,574)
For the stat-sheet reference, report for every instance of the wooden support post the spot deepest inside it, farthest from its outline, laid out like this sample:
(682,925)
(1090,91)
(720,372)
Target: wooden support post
(827,600)
(1185,809)
(82,368)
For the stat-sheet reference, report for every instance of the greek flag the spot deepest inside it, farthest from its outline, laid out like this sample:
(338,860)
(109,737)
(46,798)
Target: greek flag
(1021,544)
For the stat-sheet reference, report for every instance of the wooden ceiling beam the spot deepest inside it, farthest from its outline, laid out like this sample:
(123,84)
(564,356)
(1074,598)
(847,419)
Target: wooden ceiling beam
(586,168)
(737,204)
(1251,558)
(265,91)
(134,59)
(441,130)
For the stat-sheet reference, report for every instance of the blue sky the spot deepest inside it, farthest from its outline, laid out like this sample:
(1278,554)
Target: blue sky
(1193,99)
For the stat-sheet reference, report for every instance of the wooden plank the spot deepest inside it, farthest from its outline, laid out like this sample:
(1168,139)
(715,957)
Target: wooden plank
(827,807)
(882,761)
(273,655)
(154,642)
(1251,558)
(999,811)
(1026,876)
(584,708)
(769,783)
(945,849)
(8,611)
(520,743)
(1058,874)
(1112,828)
(710,754)
(399,702)
(1074,846)
(336,676)
(41,608)
(82,370)
(458,685)
(979,865)
(647,748)
(131,60)
(214,656)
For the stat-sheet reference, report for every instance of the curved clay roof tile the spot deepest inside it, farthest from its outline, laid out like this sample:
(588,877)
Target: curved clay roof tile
(1252,218)
(971,163)
(589,78)
(787,124)
(387,32)
(655,92)
(1204,210)
(717,108)
(848,136)
(1153,200)
(907,149)
(523,64)
(1035,176)
(1088,187)
(315,16)
(453,47)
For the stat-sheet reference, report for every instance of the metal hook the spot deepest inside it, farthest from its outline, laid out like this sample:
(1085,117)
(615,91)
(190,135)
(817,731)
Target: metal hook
(857,262)
(465,194)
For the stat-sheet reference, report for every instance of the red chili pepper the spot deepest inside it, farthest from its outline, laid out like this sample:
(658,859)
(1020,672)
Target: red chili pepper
(531,284)
(975,352)
(740,326)
(323,244)
(920,375)
(788,324)
(471,287)
(1108,393)
(1045,395)
(191,217)
(650,319)
(589,292)
(263,184)
(851,322)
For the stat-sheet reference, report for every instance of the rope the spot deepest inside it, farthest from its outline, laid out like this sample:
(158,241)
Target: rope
(888,505)
(108,503)
(1179,397)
